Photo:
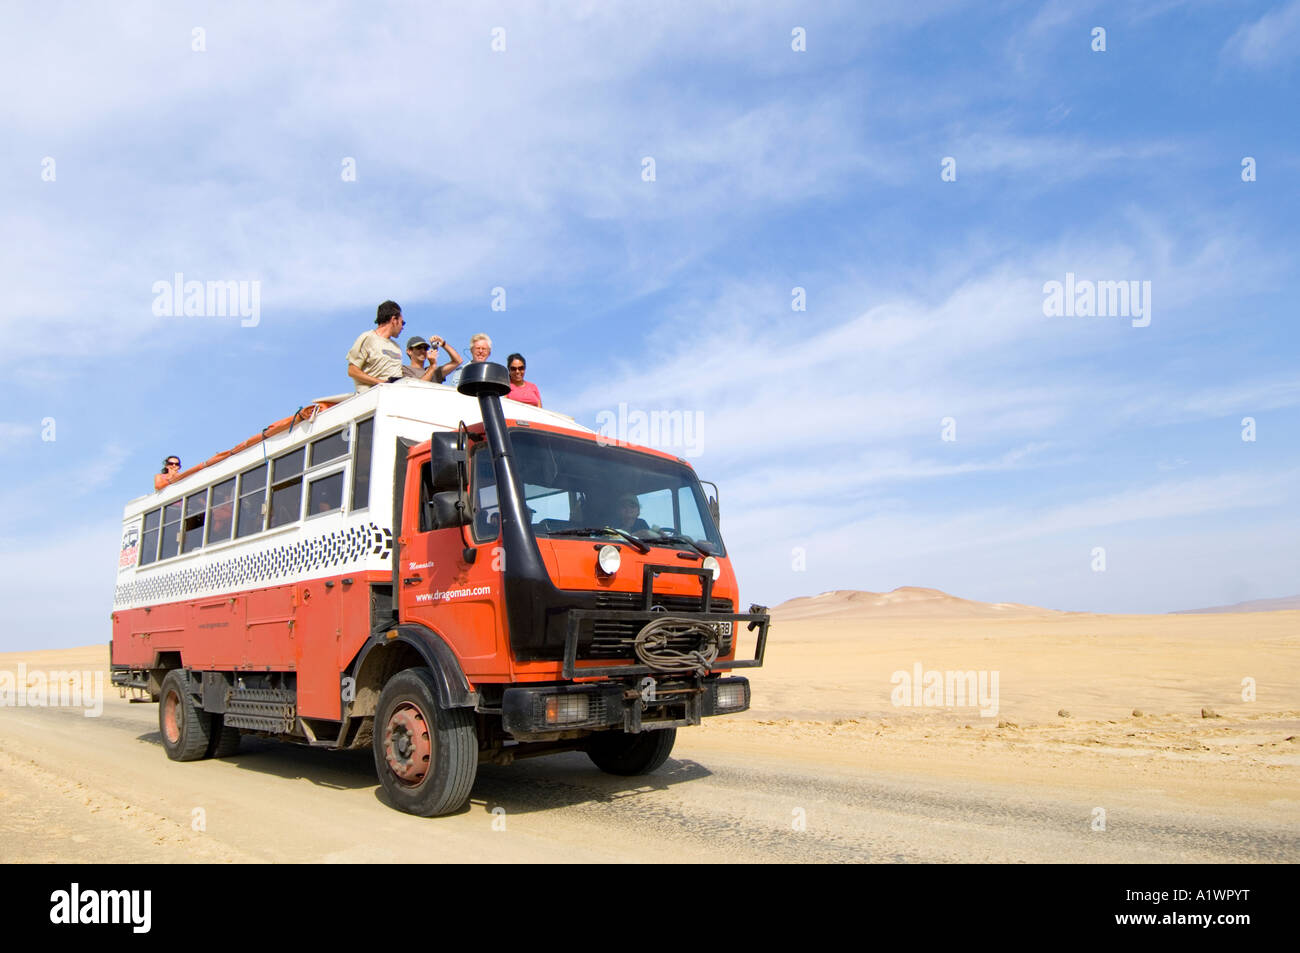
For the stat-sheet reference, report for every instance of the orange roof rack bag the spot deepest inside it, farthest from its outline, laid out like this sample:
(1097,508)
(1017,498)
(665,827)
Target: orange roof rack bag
(303,413)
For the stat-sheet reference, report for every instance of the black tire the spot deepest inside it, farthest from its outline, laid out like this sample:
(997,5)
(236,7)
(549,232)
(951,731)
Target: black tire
(426,755)
(225,741)
(185,727)
(617,752)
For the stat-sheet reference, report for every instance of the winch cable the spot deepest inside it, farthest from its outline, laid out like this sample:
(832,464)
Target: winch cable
(652,646)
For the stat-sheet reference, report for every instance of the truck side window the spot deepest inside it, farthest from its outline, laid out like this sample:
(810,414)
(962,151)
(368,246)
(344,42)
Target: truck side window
(325,494)
(171,530)
(329,448)
(361,464)
(252,499)
(286,488)
(221,511)
(196,505)
(149,542)
(487,516)
(426,494)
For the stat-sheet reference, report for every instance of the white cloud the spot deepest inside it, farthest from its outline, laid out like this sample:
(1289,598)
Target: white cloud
(14,436)
(59,591)
(1271,40)
(466,158)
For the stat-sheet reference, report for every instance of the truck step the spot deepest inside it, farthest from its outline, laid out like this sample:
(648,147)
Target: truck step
(261,709)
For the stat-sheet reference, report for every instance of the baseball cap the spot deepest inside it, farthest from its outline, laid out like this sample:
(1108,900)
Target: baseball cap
(416,341)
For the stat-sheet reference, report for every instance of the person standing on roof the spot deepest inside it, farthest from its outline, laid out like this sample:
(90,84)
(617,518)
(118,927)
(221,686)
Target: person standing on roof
(525,392)
(374,357)
(417,349)
(480,348)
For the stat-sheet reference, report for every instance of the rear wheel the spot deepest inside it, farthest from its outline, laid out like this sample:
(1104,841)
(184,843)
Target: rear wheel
(225,741)
(617,752)
(426,755)
(186,728)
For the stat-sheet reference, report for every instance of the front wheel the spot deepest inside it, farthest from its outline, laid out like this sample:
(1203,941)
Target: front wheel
(617,752)
(426,755)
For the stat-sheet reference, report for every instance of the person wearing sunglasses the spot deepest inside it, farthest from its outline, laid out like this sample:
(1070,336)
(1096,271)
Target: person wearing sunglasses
(171,468)
(375,357)
(521,390)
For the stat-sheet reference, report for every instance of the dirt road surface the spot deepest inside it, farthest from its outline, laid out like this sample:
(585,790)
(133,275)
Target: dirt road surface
(792,780)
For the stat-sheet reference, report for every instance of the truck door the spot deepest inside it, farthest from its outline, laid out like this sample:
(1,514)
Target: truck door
(462,601)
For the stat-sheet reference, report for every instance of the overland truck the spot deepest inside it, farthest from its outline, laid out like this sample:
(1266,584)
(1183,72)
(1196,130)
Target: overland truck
(438,573)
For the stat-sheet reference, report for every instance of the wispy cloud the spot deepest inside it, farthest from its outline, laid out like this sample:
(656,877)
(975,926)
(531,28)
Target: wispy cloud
(1270,41)
(14,436)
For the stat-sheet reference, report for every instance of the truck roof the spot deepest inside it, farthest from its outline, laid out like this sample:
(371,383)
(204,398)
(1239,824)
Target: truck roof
(413,407)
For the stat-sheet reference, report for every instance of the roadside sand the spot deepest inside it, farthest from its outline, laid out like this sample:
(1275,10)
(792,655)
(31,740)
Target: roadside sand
(822,727)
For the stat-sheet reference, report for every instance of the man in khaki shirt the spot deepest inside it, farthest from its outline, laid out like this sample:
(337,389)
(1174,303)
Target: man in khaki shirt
(375,357)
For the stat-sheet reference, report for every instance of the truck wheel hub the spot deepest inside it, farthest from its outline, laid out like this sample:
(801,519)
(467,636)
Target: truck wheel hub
(171,719)
(407,747)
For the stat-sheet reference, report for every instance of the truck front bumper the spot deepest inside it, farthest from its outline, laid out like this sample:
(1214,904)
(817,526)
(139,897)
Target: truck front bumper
(648,705)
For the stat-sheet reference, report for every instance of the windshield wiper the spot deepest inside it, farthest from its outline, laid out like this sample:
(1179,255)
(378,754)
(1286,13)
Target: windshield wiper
(592,530)
(673,538)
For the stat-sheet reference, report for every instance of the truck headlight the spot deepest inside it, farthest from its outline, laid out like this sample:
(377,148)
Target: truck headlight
(713,566)
(609,559)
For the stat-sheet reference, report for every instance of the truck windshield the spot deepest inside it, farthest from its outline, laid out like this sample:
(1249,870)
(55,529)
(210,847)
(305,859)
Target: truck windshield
(576,487)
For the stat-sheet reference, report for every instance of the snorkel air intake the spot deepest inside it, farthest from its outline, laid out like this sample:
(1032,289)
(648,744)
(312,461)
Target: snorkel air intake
(528,587)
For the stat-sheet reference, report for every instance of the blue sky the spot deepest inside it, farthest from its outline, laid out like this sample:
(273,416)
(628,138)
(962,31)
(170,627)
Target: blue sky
(819,169)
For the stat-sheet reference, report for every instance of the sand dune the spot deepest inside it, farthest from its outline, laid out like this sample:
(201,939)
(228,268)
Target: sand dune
(1281,604)
(903,602)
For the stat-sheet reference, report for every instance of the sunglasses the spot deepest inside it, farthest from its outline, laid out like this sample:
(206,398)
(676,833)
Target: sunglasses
(517,367)
(173,463)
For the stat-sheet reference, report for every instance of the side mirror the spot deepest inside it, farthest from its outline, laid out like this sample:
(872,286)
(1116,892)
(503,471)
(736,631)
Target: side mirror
(444,511)
(713,503)
(445,459)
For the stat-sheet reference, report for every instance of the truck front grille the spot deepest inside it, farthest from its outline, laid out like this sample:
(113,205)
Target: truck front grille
(613,638)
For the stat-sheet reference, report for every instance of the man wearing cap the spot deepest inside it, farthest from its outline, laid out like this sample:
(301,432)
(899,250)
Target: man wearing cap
(417,349)
(375,358)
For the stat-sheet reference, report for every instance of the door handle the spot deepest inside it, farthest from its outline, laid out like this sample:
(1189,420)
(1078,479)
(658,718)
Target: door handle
(412,580)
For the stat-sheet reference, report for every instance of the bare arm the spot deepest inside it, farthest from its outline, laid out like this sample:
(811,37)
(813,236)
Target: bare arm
(445,369)
(357,374)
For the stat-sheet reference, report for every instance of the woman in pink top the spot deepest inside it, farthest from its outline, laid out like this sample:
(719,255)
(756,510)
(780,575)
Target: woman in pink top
(520,389)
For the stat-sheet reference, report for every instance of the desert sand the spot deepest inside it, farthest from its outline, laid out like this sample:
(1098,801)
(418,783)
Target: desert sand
(1115,739)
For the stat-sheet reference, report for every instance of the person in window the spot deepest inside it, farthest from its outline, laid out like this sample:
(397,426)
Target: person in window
(628,514)
(417,349)
(222,514)
(521,390)
(171,468)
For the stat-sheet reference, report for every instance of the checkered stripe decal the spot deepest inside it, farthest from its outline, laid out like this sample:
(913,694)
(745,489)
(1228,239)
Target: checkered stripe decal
(335,550)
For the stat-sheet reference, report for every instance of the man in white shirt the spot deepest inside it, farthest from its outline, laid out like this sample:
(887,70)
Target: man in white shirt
(375,357)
